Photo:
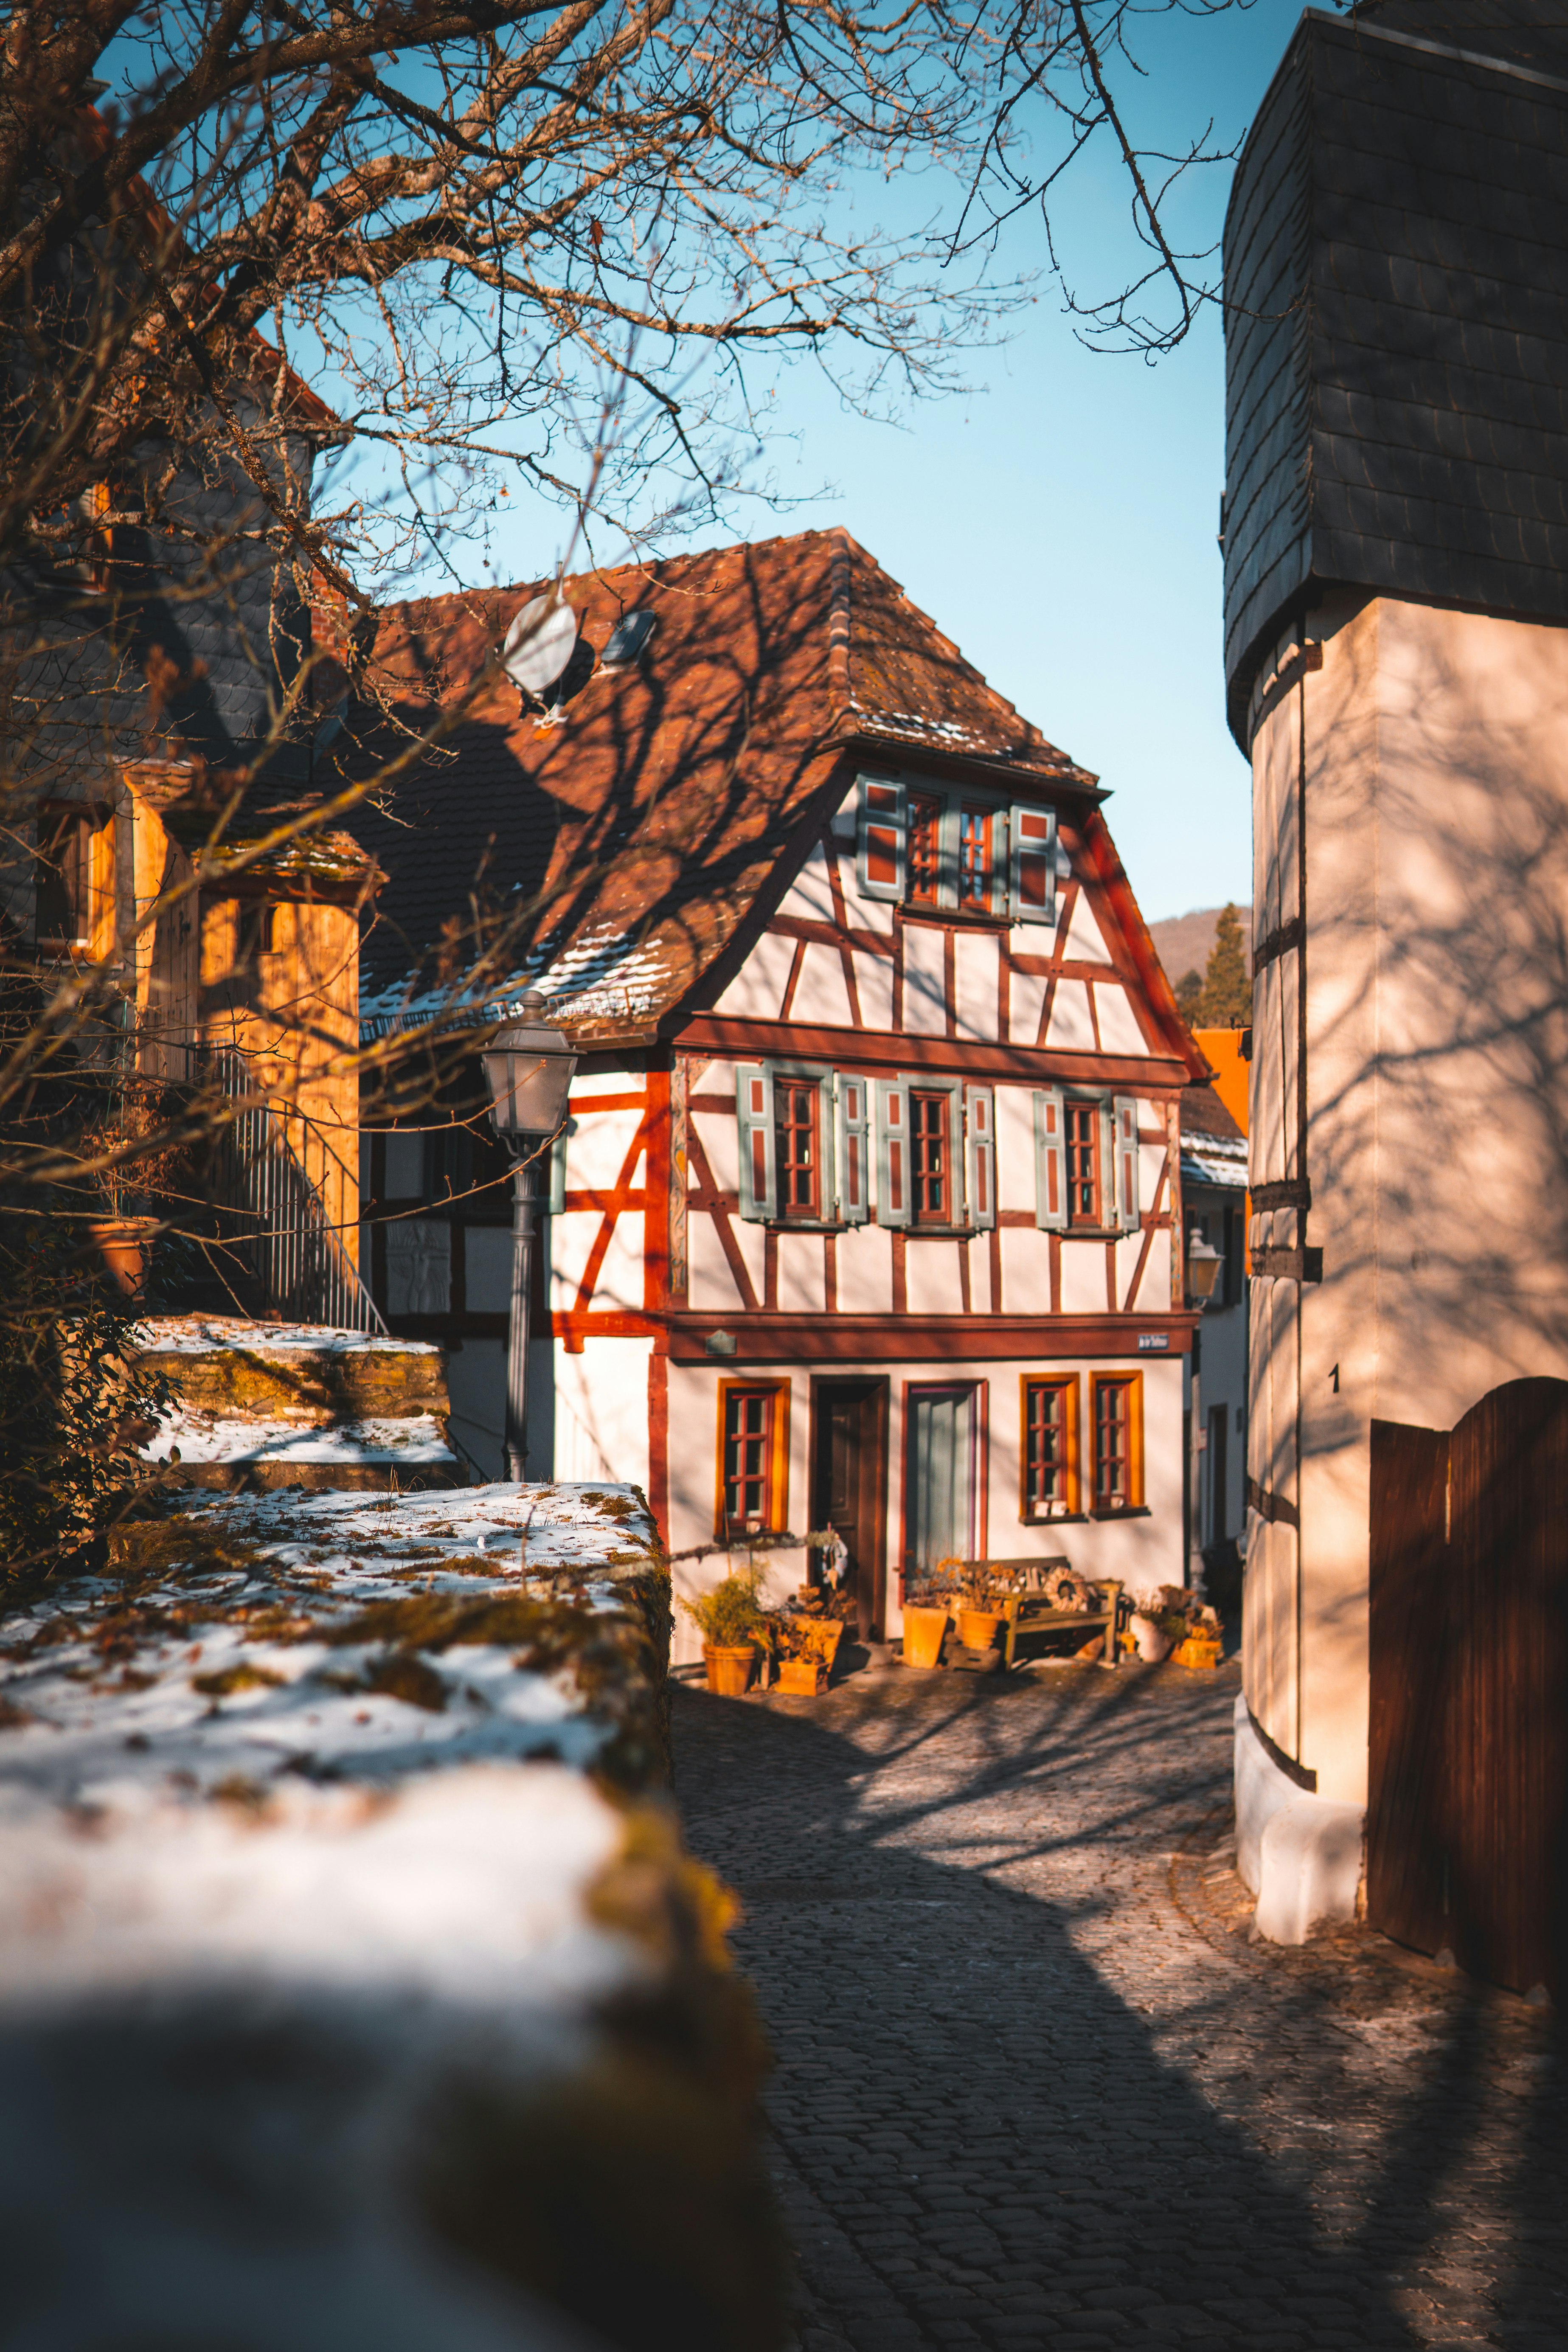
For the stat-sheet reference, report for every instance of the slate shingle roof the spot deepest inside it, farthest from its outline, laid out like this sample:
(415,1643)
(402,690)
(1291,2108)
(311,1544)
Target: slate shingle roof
(1397,272)
(616,854)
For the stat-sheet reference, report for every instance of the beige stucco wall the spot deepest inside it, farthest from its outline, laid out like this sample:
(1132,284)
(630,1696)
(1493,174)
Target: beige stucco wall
(1434,752)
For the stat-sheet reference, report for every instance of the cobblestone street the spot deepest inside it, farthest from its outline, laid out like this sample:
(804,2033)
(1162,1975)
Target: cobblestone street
(1036,2087)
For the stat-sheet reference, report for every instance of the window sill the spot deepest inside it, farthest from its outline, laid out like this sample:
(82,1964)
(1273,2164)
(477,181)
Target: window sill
(1122,1511)
(951,918)
(1058,1519)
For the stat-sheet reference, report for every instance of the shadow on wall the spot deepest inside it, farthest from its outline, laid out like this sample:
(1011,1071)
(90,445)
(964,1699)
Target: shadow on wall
(1004,2113)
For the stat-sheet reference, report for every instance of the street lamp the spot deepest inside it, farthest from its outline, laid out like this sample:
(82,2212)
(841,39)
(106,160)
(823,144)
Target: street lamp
(1204,1263)
(529,1073)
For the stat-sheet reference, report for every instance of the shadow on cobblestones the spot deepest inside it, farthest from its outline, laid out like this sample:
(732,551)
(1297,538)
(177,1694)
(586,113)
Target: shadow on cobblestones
(1020,2100)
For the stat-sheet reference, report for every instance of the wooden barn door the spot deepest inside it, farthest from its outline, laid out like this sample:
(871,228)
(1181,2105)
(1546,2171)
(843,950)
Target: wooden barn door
(1467,1812)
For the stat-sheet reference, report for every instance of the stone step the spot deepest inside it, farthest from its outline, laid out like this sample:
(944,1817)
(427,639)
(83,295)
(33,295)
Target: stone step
(274,1405)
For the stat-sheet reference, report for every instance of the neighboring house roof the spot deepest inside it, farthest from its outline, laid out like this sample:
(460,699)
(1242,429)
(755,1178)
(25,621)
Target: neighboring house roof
(1213,1149)
(624,850)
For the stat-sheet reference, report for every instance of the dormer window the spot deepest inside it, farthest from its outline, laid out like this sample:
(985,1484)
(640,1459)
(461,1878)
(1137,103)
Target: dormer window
(938,852)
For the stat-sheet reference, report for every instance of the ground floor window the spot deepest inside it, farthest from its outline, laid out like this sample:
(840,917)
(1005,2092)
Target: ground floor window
(753,1457)
(1050,1448)
(1117,1417)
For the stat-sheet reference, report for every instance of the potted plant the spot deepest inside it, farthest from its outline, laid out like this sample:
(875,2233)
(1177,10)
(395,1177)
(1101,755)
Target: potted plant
(979,1620)
(733,1623)
(927,1607)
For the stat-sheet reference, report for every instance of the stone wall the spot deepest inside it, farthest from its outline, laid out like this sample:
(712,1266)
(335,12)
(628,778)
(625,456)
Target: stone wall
(355,1984)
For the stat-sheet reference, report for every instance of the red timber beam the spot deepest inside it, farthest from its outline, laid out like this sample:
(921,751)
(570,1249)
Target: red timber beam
(920,1338)
(1148,1075)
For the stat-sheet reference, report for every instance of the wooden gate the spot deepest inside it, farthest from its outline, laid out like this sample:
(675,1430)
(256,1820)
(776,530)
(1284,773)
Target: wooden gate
(1468,1802)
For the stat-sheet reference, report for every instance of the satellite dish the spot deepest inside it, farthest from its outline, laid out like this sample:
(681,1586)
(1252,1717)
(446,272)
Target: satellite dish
(539,644)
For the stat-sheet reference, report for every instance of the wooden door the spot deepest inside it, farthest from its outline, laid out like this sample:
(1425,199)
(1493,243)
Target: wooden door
(1467,1803)
(849,1486)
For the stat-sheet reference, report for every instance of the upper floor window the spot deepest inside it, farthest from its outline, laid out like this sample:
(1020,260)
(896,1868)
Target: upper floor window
(946,852)
(1083,1124)
(1088,1168)
(924,851)
(975,880)
(931,1156)
(796,1107)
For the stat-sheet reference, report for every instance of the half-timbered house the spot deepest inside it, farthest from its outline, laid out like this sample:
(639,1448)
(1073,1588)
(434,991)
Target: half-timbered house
(868,1214)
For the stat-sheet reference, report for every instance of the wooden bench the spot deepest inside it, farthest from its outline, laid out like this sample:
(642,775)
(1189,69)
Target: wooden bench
(1028,1612)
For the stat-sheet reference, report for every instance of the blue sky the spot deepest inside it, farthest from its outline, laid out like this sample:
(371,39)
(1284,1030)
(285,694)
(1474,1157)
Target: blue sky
(1060,523)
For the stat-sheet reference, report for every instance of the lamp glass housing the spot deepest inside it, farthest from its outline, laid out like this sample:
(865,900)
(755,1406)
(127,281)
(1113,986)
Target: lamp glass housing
(529,1073)
(1204,1263)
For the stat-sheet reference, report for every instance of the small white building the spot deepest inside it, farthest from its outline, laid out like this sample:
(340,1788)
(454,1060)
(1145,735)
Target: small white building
(869,1214)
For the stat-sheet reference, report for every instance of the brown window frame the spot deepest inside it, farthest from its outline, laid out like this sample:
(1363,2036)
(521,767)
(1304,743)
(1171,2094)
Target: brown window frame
(1090,1108)
(1104,1504)
(775,1439)
(920,1215)
(922,850)
(789,1089)
(1031,1510)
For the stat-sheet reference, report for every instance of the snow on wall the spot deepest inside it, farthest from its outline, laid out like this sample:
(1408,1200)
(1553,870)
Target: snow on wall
(314,1914)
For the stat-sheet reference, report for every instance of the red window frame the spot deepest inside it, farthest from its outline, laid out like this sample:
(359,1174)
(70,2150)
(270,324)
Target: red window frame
(1118,1440)
(753,1457)
(797,1146)
(1049,1453)
(973,860)
(924,854)
(1080,1146)
(931,1156)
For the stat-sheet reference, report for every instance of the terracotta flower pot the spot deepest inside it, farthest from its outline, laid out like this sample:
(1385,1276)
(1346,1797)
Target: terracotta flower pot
(923,1630)
(125,1243)
(977,1627)
(729,1667)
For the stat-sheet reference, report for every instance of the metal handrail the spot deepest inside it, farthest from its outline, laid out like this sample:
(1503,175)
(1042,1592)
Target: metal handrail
(299,1259)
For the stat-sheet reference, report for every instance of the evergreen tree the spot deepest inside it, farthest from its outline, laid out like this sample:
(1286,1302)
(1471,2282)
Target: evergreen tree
(1190,996)
(1227,999)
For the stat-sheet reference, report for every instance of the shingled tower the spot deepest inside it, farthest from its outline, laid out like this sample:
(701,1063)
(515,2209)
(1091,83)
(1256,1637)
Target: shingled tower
(1395,536)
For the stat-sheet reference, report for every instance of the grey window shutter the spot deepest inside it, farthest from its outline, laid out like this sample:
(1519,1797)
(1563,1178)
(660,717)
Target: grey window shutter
(1032,865)
(1050,1162)
(892,1151)
(827,1143)
(854,1142)
(754,1119)
(1124,1122)
(980,1165)
(882,835)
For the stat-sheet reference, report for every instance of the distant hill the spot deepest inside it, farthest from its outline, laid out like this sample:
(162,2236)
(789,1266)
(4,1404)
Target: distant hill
(1183,941)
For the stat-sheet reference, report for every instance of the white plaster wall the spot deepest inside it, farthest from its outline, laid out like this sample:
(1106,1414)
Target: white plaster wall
(802,1277)
(1083,1277)
(820,994)
(1025,1271)
(1016,1147)
(931,1279)
(1144,1550)
(925,981)
(978,965)
(1071,1030)
(1025,1002)
(866,1271)
(1436,974)
(710,1284)
(757,990)
(1086,943)
(600,1411)
(1119,1030)
(874,987)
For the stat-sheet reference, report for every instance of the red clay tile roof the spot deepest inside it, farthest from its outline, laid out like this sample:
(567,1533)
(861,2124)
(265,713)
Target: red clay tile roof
(618,851)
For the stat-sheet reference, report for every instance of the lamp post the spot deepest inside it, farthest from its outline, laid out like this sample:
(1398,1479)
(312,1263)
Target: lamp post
(529,1071)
